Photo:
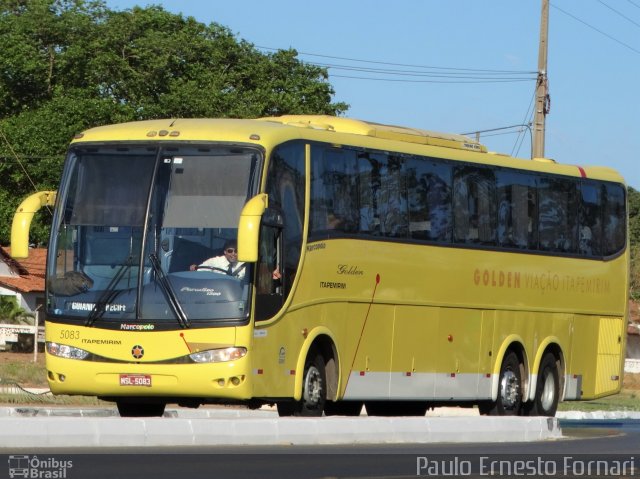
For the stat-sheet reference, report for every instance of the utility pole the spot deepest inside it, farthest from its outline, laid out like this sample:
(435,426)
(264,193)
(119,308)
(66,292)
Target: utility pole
(542,87)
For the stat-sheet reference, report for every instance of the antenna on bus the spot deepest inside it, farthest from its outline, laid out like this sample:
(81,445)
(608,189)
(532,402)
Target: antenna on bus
(543,100)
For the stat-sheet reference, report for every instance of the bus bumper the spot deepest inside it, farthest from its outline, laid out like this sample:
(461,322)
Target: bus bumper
(226,381)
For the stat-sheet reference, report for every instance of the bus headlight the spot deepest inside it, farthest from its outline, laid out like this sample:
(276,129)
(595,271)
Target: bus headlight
(218,355)
(66,351)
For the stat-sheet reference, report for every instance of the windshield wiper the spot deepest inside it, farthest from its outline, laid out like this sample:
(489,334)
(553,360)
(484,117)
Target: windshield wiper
(109,293)
(168,290)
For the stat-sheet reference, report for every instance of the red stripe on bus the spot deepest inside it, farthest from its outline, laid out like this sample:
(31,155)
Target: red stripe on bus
(582,172)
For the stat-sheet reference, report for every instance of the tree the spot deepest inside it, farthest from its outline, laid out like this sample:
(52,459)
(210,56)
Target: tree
(67,65)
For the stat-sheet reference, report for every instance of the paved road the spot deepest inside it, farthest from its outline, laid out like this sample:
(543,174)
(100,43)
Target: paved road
(583,447)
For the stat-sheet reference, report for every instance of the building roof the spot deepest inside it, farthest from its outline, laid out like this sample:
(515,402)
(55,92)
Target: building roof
(29,272)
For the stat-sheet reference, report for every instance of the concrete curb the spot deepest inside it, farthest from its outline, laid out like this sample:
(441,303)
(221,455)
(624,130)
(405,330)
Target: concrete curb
(37,428)
(598,415)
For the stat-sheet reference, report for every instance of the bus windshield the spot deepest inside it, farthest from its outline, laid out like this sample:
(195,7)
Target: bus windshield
(133,225)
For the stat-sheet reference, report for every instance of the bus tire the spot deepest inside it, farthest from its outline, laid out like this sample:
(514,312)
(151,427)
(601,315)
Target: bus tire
(547,395)
(343,408)
(314,390)
(139,409)
(509,401)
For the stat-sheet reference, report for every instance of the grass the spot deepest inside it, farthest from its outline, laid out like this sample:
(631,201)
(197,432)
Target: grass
(24,398)
(19,375)
(626,400)
(24,373)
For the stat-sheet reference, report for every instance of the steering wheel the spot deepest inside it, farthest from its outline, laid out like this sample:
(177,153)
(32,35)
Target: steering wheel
(212,268)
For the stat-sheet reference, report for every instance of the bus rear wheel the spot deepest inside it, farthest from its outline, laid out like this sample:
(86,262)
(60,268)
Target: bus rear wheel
(314,390)
(509,401)
(545,402)
(140,409)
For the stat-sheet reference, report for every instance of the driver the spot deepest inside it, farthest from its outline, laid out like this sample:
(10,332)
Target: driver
(227,263)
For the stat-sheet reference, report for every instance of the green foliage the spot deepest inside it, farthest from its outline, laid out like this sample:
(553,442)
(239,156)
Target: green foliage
(634,217)
(67,65)
(11,313)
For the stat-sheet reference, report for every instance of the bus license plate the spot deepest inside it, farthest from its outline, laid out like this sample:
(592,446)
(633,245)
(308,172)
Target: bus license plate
(135,380)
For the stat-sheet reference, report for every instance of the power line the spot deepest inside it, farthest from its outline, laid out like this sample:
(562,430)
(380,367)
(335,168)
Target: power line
(453,69)
(492,130)
(596,29)
(390,74)
(13,152)
(619,13)
(6,140)
(34,157)
(510,80)
(387,71)
(505,133)
(439,74)
(634,4)
(527,116)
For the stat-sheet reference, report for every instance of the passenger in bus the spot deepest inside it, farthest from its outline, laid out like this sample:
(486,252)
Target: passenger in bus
(226,263)
(335,222)
(585,240)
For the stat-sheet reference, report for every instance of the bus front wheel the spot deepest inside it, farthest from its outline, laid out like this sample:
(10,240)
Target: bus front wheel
(314,390)
(545,402)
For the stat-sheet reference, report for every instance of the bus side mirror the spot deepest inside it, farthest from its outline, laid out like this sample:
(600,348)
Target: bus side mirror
(249,228)
(22,221)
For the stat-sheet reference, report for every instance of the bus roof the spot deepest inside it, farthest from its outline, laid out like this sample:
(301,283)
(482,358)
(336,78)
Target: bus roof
(378,130)
(271,131)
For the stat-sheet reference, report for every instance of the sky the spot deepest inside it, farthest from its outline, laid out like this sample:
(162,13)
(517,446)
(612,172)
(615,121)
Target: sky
(450,65)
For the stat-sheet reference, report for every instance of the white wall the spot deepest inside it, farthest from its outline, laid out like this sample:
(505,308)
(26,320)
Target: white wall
(5,270)
(27,301)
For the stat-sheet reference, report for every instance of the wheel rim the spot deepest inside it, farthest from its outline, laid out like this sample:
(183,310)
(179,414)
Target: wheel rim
(509,389)
(312,387)
(548,396)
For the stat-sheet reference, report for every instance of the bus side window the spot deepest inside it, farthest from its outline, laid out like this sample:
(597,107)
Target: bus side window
(429,197)
(517,210)
(286,189)
(474,199)
(334,191)
(557,215)
(614,219)
(392,199)
(590,221)
(269,297)
(382,195)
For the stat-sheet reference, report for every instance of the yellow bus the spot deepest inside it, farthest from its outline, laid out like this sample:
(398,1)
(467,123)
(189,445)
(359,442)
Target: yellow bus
(389,267)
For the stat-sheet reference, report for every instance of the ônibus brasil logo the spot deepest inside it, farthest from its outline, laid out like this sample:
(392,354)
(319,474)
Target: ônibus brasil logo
(35,467)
